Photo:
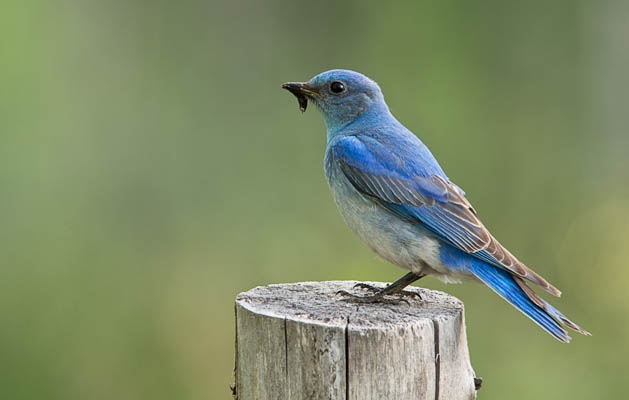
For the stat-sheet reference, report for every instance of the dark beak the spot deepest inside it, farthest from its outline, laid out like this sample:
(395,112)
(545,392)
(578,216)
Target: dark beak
(302,91)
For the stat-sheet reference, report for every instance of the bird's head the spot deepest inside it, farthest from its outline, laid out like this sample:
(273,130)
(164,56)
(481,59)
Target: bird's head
(340,95)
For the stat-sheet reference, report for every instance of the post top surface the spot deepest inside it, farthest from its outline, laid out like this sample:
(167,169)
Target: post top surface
(318,303)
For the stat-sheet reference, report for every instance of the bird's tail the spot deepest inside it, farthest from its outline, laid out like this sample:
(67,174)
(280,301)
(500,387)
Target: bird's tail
(515,291)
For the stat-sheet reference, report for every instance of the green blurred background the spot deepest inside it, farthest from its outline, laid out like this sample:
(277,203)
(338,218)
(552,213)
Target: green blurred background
(151,168)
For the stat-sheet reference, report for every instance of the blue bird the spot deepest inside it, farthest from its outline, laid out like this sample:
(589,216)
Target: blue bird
(393,194)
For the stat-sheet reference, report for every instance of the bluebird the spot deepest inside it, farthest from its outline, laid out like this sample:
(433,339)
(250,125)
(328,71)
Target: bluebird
(393,194)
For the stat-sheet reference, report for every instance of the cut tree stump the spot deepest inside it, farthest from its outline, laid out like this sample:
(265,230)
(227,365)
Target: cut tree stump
(303,341)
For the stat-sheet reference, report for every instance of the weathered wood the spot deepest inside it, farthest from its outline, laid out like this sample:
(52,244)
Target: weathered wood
(301,341)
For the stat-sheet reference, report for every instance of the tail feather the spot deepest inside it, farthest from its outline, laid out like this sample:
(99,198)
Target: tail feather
(515,291)
(552,311)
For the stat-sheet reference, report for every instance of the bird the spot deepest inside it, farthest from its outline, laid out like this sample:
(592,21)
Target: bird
(394,195)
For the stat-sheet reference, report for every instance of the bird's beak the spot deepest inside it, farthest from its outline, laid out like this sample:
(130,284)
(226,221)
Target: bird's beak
(301,90)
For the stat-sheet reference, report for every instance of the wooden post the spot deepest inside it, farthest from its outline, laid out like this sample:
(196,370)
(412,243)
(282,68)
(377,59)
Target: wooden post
(301,341)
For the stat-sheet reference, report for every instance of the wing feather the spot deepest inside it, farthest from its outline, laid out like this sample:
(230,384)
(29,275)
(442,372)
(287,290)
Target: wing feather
(440,205)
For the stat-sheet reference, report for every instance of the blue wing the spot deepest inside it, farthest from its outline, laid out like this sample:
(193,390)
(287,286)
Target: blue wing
(406,182)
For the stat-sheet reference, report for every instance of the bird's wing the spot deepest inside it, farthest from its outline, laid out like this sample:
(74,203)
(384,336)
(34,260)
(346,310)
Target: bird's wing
(403,186)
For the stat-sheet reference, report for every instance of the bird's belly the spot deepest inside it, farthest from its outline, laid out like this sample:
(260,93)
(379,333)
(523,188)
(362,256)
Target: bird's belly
(403,243)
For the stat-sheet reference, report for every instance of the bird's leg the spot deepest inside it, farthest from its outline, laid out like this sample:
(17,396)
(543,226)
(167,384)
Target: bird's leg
(396,288)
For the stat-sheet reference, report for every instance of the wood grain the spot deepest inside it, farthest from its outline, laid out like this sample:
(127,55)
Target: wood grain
(302,341)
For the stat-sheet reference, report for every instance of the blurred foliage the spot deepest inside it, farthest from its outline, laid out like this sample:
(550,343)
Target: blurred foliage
(151,168)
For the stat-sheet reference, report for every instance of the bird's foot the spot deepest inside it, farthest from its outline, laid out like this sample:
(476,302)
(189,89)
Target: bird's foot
(384,291)
(392,297)
(409,294)
(368,287)
(375,298)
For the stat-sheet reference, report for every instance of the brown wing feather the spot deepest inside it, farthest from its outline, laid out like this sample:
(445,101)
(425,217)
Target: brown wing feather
(461,209)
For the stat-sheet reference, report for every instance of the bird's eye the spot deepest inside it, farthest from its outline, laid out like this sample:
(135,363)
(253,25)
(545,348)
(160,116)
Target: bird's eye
(337,87)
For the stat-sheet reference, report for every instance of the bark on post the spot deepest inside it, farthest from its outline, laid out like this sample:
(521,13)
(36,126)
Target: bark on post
(300,341)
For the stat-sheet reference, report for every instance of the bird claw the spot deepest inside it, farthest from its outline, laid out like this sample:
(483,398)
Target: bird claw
(377,298)
(352,298)
(365,286)
(375,289)
(408,293)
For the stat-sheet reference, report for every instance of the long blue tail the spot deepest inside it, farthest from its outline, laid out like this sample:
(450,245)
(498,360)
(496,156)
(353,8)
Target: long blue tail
(515,291)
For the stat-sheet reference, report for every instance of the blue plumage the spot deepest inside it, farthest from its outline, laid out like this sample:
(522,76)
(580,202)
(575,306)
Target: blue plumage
(506,287)
(393,193)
